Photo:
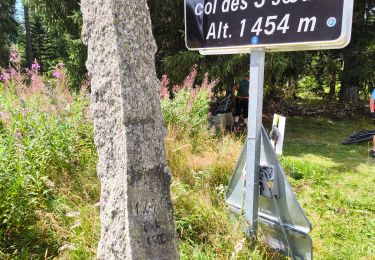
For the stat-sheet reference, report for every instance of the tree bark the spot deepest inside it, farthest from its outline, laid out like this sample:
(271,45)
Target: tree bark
(136,209)
(349,92)
(29,45)
(332,85)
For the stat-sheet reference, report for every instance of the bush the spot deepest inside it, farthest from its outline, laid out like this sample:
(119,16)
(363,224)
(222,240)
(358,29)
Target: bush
(188,109)
(45,135)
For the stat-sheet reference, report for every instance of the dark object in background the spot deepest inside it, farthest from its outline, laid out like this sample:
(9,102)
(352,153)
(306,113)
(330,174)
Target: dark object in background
(359,137)
(222,106)
(372,115)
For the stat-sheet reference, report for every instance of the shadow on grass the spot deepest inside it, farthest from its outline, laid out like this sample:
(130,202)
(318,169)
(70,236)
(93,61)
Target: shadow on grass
(28,243)
(318,141)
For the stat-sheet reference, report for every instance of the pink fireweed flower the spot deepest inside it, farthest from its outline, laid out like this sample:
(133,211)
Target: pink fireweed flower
(194,93)
(190,79)
(165,80)
(14,56)
(12,72)
(35,66)
(19,135)
(164,93)
(209,85)
(205,82)
(5,77)
(176,88)
(5,118)
(57,74)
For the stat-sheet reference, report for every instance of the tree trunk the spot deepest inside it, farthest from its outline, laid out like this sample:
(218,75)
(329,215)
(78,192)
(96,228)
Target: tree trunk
(29,48)
(332,85)
(136,209)
(349,92)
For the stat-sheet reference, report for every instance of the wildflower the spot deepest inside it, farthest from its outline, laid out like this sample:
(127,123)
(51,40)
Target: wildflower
(84,88)
(194,93)
(190,79)
(19,135)
(35,66)
(12,72)
(57,74)
(176,88)
(5,118)
(37,84)
(164,93)
(14,56)
(5,77)
(205,80)
(209,85)
(165,80)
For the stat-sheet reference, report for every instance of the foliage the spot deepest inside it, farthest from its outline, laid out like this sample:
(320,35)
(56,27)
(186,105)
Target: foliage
(8,29)
(46,144)
(45,44)
(357,73)
(49,187)
(48,184)
(188,110)
(57,27)
(168,22)
(349,71)
(203,223)
(229,69)
(56,36)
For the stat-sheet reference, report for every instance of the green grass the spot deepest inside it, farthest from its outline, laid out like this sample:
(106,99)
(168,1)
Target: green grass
(49,187)
(334,184)
(47,162)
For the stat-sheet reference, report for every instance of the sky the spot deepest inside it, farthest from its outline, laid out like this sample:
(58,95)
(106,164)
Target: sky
(19,11)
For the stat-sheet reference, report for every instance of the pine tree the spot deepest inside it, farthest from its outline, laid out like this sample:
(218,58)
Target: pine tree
(8,29)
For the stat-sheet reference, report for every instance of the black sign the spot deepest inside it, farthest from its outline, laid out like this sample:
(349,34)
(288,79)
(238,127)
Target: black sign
(281,24)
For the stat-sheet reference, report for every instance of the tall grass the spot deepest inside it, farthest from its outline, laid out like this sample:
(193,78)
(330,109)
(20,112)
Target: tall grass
(49,189)
(201,164)
(47,159)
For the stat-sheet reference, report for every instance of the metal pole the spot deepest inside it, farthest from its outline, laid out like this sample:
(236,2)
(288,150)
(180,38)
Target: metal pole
(254,139)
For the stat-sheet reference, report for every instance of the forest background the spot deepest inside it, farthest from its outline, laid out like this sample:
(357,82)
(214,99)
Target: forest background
(50,31)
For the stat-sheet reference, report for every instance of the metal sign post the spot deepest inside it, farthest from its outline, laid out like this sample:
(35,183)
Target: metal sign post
(254,129)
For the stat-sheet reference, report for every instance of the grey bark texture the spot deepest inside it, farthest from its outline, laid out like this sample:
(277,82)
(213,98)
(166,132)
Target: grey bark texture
(136,208)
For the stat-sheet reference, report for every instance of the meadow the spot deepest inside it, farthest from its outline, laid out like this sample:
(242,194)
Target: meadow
(49,191)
